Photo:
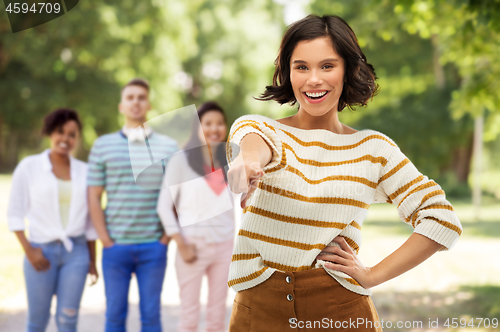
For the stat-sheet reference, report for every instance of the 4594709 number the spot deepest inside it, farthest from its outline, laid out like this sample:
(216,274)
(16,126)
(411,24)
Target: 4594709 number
(473,322)
(40,7)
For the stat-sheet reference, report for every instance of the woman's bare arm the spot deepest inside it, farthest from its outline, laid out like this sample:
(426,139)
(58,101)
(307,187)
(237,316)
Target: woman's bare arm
(94,275)
(414,251)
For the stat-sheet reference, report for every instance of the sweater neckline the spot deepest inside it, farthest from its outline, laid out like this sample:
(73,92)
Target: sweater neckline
(304,131)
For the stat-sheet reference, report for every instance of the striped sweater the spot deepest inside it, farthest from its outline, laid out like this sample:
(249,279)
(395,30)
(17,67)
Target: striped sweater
(319,185)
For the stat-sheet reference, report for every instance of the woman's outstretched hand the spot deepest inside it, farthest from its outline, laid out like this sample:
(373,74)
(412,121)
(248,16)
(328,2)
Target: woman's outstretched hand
(344,259)
(243,177)
(246,171)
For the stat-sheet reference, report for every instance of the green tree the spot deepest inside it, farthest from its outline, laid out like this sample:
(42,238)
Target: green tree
(82,59)
(417,88)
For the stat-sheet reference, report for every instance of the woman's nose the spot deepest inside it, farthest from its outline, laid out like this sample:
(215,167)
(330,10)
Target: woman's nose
(315,78)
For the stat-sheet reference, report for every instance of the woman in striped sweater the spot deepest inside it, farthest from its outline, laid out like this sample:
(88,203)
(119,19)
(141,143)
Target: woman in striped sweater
(308,181)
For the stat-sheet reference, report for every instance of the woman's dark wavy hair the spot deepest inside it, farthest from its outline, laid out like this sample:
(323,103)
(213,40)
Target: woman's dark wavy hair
(359,85)
(194,146)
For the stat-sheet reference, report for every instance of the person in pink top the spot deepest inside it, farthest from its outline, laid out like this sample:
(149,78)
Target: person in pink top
(204,210)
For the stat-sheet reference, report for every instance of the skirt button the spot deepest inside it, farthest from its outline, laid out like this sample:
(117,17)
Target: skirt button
(288,279)
(289,297)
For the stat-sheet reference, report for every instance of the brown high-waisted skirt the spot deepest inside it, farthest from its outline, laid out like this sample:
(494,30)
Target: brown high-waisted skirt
(302,301)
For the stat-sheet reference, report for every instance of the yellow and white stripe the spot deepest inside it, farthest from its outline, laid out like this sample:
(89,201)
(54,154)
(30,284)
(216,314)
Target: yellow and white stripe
(319,185)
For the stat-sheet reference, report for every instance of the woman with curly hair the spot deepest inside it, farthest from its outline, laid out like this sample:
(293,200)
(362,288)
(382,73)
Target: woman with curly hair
(50,190)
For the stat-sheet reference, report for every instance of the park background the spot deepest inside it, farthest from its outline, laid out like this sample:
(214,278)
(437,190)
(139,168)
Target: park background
(438,69)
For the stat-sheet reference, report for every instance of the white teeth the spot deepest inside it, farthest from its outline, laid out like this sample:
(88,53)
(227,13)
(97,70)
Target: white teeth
(316,94)
(63,145)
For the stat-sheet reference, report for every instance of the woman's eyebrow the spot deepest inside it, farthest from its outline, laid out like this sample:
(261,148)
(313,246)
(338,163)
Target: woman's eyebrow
(326,60)
(329,60)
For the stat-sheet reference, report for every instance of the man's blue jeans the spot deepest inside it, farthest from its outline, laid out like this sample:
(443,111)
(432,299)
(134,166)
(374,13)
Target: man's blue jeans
(148,262)
(65,278)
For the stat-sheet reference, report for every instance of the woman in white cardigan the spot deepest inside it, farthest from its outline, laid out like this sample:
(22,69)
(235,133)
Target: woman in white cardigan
(49,189)
(204,226)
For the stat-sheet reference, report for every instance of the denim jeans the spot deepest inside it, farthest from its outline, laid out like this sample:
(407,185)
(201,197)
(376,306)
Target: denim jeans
(65,278)
(148,262)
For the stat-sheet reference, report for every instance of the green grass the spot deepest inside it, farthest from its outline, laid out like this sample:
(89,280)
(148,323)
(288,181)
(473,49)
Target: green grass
(468,302)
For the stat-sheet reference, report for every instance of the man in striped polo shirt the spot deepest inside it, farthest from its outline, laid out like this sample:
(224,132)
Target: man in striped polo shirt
(130,230)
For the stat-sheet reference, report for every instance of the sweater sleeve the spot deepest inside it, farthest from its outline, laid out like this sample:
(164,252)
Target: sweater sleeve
(254,123)
(420,201)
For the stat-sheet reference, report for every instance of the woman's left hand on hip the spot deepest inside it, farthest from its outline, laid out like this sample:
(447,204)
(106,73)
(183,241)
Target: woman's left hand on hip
(344,259)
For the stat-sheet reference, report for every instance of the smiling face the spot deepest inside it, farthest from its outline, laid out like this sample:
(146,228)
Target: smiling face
(63,139)
(134,103)
(317,76)
(213,127)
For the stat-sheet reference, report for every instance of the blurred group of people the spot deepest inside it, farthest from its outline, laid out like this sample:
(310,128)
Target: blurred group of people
(61,198)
